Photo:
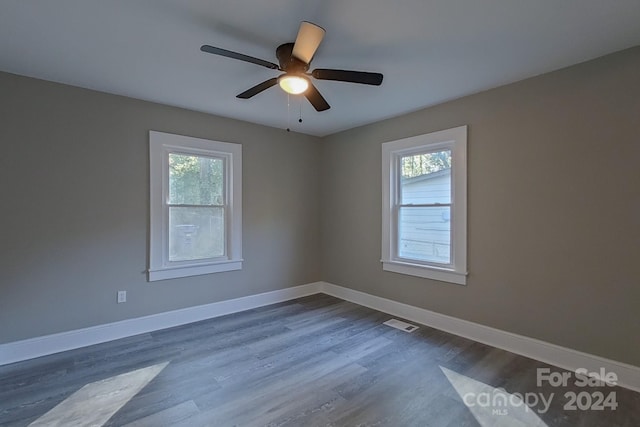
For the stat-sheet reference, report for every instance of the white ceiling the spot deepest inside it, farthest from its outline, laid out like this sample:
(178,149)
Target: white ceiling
(428,50)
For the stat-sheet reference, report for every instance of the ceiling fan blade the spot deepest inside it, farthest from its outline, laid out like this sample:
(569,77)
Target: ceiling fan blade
(239,56)
(258,88)
(309,37)
(348,76)
(317,100)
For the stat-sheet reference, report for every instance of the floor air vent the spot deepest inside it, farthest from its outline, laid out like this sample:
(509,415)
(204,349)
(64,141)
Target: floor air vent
(399,324)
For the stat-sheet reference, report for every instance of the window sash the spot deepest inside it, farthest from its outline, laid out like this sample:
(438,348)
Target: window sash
(195,153)
(417,243)
(182,205)
(200,260)
(424,205)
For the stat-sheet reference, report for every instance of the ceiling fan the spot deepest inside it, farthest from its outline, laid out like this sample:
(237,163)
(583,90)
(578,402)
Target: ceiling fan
(294,60)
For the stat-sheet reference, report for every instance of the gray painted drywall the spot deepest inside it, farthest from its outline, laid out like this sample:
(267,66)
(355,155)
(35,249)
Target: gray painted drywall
(553,208)
(74,180)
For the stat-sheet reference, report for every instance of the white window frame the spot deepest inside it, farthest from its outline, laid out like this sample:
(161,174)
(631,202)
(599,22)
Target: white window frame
(160,146)
(451,139)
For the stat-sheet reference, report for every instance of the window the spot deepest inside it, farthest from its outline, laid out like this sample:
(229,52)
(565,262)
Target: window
(424,216)
(196,206)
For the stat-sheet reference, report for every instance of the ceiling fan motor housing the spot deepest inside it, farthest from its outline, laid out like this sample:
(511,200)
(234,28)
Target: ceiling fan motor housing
(288,62)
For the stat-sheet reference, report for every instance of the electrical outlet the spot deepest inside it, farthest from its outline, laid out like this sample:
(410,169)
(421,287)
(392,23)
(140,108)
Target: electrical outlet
(122,296)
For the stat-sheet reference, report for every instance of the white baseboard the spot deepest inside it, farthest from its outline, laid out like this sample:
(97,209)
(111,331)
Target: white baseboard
(41,346)
(628,375)
(562,357)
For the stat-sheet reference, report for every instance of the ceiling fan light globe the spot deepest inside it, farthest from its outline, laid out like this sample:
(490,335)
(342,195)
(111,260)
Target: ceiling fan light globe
(294,85)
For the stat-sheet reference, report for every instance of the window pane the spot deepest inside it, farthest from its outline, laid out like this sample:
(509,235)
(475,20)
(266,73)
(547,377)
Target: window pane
(424,234)
(196,233)
(426,178)
(195,180)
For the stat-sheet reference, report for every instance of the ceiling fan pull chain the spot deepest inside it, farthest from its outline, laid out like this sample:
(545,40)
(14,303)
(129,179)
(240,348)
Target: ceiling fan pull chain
(300,119)
(288,113)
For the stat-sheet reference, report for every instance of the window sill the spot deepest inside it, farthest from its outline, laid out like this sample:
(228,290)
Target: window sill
(441,274)
(193,270)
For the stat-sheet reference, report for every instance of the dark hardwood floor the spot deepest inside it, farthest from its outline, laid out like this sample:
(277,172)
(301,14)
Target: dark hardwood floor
(315,361)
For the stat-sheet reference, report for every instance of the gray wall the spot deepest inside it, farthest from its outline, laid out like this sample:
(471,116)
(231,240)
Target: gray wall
(553,208)
(74,188)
